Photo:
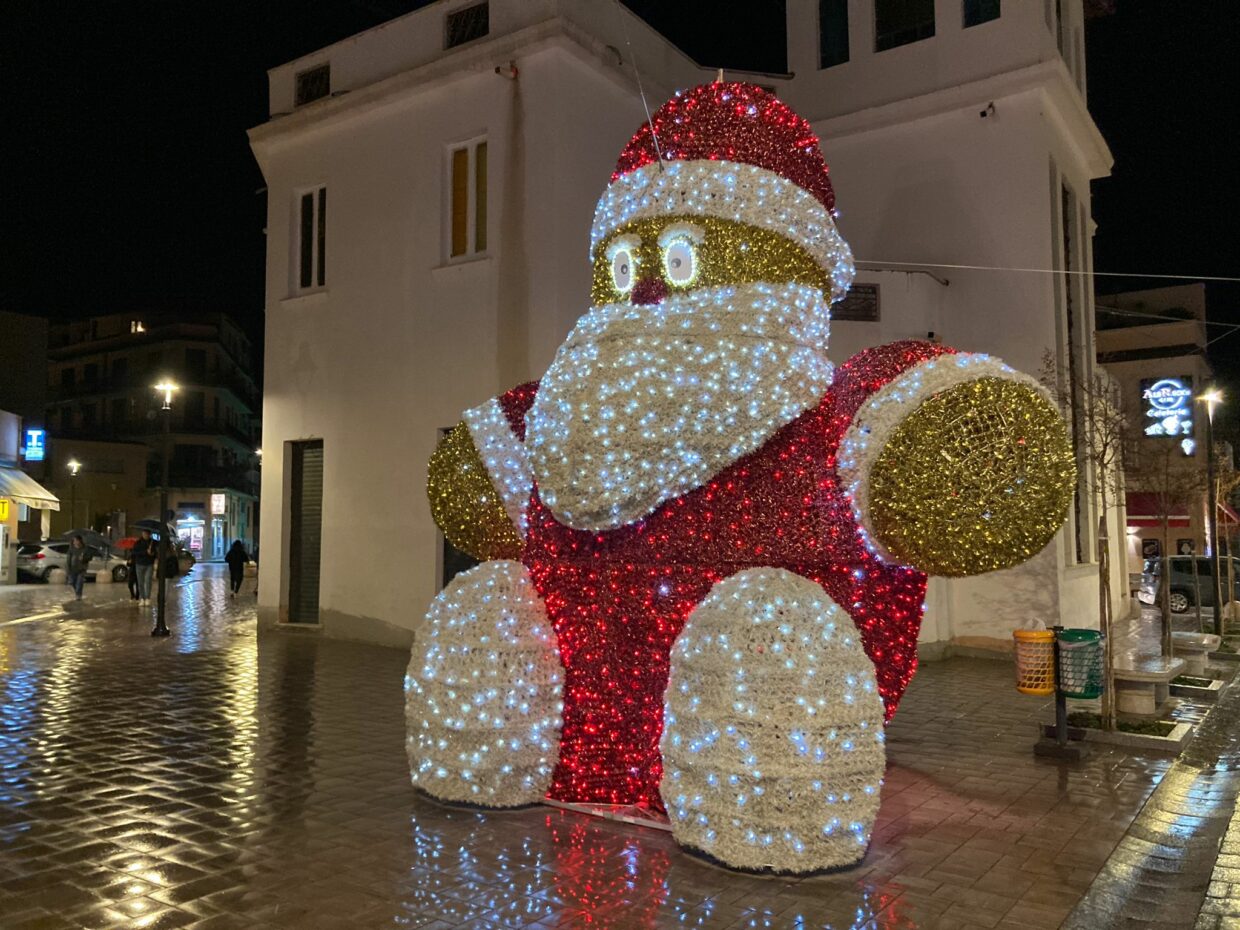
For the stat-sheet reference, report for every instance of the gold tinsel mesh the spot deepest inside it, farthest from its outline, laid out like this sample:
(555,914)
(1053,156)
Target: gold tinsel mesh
(978,478)
(729,253)
(464,502)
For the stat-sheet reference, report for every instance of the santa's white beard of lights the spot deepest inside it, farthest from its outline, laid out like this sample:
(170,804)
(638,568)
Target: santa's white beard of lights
(644,403)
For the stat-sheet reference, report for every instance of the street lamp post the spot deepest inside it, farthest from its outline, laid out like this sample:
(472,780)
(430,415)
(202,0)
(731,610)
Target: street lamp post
(74,467)
(161,621)
(1211,399)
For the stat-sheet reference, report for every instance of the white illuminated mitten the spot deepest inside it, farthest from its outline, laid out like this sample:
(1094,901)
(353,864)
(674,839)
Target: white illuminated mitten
(772,744)
(482,694)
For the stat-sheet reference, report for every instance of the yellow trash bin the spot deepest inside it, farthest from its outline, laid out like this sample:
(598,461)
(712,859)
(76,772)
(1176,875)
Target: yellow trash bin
(1035,661)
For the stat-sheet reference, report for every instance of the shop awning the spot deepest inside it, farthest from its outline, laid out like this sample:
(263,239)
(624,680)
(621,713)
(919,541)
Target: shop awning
(1144,510)
(20,488)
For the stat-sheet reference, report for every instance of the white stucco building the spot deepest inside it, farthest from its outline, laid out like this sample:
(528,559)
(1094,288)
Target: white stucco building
(431,186)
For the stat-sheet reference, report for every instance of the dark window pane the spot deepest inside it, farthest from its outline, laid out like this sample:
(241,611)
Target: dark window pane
(120,370)
(899,22)
(977,12)
(67,377)
(307,239)
(465,25)
(832,32)
(313,84)
(322,236)
(480,197)
(196,365)
(460,200)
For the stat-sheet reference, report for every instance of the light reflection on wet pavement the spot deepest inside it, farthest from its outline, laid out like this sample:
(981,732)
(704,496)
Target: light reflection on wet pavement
(221,779)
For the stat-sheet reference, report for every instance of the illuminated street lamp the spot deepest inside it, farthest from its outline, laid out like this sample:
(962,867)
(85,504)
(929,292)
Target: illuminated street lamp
(1212,398)
(167,387)
(74,467)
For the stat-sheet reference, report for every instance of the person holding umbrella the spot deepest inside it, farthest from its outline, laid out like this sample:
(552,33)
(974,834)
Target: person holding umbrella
(144,553)
(76,560)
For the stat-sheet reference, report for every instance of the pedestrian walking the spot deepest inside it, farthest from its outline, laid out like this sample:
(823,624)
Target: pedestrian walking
(76,560)
(131,573)
(145,552)
(236,558)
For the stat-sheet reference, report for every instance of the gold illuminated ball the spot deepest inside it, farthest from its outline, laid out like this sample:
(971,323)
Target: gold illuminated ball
(978,478)
(464,502)
(730,252)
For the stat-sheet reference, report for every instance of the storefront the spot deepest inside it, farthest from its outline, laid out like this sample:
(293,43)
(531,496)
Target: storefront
(1146,512)
(22,500)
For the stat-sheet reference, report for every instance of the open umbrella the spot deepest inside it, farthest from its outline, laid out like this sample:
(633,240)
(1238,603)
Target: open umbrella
(125,544)
(92,539)
(155,527)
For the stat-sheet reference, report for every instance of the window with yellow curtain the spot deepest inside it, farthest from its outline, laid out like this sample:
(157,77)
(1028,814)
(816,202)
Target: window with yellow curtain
(467,209)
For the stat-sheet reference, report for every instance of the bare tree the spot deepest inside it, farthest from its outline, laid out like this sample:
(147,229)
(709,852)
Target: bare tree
(1100,428)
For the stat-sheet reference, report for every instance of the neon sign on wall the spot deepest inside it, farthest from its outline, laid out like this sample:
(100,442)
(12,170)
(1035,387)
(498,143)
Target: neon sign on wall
(1168,410)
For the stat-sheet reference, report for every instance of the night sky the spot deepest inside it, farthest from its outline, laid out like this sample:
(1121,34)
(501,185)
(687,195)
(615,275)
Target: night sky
(130,184)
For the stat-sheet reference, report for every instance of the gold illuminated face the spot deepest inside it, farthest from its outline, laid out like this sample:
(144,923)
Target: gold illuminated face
(691,252)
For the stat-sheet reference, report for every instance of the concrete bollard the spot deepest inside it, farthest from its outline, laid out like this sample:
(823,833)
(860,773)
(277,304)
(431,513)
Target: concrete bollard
(103,576)
(57,576)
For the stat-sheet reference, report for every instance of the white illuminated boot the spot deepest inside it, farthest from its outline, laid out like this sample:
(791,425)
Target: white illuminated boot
(772,744)
(482,694)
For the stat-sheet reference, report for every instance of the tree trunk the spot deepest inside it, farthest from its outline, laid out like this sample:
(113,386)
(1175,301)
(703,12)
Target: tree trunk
(1104,615)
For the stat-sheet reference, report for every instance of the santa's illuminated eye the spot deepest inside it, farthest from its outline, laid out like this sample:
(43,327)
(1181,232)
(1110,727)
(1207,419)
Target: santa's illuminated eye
(622,270)
(679,242)
(622,253)
(680,261)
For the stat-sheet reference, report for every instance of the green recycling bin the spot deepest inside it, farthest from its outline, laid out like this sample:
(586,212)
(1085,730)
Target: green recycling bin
(1080,663)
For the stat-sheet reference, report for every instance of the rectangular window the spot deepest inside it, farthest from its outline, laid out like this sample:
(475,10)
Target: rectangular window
(977,12)
(90,372)
(832,32)
(899,22)
(466,24)
(120,371)
(313,84)
(311,247)
(67,377)
(120,411)
(196,365)
(467,210)
(89,412)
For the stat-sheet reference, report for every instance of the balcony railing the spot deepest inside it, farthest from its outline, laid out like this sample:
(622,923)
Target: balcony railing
(237,477)
(128,382)
(150,430)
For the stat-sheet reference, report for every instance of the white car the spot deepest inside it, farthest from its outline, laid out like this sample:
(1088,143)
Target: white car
(36,560)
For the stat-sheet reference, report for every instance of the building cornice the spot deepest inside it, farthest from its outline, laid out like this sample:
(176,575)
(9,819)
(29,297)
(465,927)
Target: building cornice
(1049,79)
(478,59)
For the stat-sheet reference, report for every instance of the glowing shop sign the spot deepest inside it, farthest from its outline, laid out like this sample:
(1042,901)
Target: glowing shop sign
(218,503)
(1169,408)
(36,444)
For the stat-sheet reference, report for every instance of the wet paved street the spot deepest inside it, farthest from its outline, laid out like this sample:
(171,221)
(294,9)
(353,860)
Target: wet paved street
(218,779)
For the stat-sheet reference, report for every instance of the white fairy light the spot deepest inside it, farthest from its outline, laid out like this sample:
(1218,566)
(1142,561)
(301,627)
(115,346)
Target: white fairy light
(781,773)
(504,457)
(645,402)
(744,193)
(482,694)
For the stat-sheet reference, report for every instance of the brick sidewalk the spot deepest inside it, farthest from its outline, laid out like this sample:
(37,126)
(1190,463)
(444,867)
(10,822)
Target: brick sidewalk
(218,779)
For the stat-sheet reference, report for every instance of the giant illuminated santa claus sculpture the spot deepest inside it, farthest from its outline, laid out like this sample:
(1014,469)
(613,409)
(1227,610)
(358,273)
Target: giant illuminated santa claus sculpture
(704,547)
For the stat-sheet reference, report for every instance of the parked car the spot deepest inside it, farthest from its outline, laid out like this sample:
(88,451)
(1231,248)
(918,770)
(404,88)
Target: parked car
(1185,591)
(35,561)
